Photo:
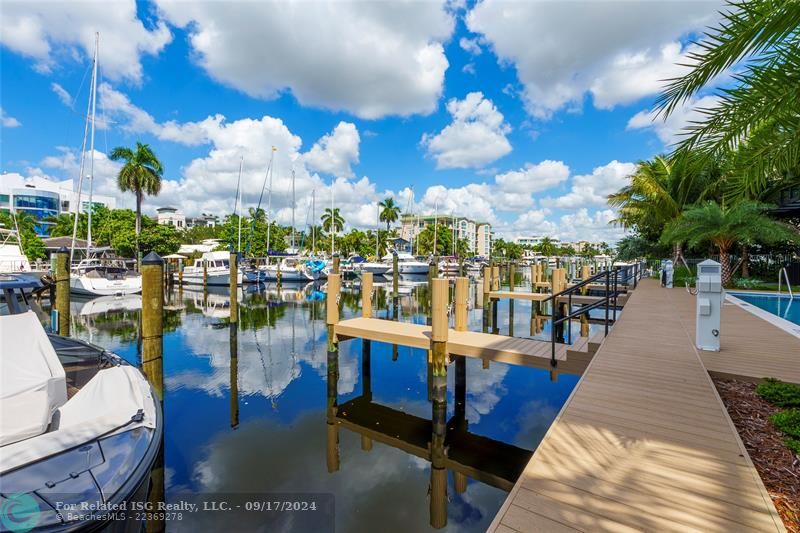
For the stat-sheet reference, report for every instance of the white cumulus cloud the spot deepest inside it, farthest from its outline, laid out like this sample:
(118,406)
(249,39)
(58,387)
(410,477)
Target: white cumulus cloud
(336,151)
(48,32)
(671,129)
(592,189)
(8,121)
(611,49)
(371,59)
(475,137)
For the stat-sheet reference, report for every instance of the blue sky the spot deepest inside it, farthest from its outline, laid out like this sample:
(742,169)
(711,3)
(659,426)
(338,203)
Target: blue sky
(525,114)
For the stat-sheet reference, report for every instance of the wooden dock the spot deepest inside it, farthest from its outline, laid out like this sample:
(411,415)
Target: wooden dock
(644,442)
(751,348)
(516,351)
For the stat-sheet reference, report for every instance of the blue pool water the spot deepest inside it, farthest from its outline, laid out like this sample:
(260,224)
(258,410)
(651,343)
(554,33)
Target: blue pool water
(781,306)
(260,419)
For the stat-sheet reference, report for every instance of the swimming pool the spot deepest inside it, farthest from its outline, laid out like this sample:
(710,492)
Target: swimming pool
(779,305)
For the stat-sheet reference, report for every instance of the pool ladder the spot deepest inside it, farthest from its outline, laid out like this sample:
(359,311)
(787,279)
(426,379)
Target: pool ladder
(788,285)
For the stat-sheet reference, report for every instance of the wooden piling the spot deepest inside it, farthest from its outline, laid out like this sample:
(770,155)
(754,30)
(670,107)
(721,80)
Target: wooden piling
(366,295)
(439,325)
(205,275)
(332,408)
(233,343)
(62,290)
(438,495)
(512,272)
(332,299)
(433,268)
(336,264)
(460,300)
(496,278)
(395,275)
(153,321)
(585,274)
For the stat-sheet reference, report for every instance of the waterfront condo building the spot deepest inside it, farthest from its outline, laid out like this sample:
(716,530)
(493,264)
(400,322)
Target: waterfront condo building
(477,234)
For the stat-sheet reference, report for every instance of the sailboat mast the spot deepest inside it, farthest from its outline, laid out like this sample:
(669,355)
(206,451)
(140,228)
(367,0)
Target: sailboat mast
(333,218)
(80,180)
(269,205)
(237,208)
(294,205)
(377,227)
(91,146)
(313,221)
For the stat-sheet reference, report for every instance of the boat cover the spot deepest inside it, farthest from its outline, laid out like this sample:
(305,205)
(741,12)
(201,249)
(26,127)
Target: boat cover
(115,399)
(32,381)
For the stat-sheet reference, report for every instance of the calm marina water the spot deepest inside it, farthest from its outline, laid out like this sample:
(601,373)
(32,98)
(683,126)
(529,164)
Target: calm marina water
(261,424)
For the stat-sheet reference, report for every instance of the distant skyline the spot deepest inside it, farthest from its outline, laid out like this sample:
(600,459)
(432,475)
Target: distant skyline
(522,114)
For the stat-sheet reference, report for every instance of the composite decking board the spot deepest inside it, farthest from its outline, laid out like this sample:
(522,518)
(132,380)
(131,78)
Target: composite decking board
(616,458)
(751,347)
(513,350)
(518,295)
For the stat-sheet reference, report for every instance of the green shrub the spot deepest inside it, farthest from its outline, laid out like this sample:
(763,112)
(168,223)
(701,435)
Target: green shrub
(788,421)
(748,283)
(779,393)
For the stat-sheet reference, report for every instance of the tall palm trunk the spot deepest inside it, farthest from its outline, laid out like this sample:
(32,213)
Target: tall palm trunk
(139,199)
(745,261)
(725,264)
(677,254)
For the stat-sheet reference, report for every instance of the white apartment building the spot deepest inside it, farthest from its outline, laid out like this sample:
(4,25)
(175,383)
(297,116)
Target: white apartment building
(535,240)
(171,216)
(477,234)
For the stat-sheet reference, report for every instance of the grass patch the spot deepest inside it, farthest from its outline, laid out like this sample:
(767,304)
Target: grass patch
(788,421)
(779,393)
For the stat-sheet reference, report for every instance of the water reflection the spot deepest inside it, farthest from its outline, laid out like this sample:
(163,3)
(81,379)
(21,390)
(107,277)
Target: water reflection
(245,402)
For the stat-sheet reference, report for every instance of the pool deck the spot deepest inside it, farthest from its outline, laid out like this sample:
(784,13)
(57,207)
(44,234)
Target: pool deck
(644,442)
(751,348)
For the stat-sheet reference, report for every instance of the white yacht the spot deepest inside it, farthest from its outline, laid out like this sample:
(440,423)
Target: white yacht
(218,270)
(449,265)
(360,265)
(11,257)
(291,269)
(95,277)
(77,422)
(407,263)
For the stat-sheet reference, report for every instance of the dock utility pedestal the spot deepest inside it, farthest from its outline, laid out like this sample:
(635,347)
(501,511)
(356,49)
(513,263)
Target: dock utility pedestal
(667,271)
(709,305)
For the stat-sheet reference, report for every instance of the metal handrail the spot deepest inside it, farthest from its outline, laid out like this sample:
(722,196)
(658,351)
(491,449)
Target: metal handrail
(607,298)
(788,285)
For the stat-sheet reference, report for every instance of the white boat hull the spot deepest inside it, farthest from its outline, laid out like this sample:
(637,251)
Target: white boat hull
(412,268)
(214,278)
(98,286)
(377,269)
(271,274)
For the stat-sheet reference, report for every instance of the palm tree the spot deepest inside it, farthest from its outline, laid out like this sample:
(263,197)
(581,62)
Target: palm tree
(332,218)
(725,226)
(547,247)
(658,192)
(141,174)
(390,211)
(756,118)
(257,213)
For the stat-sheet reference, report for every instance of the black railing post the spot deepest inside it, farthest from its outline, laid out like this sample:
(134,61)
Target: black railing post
(616,275)
(553,335)
(607,297)
(569,321)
